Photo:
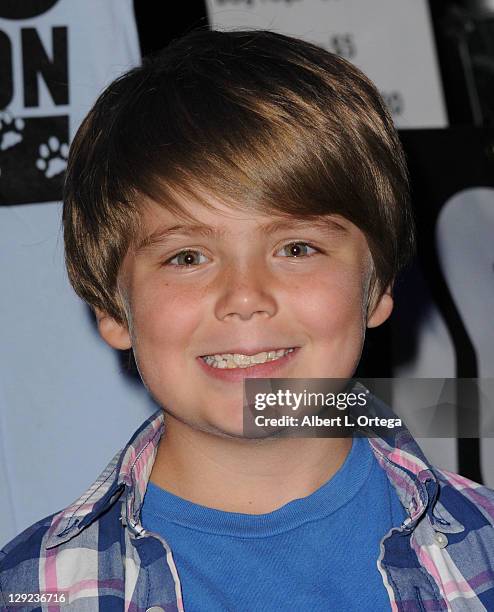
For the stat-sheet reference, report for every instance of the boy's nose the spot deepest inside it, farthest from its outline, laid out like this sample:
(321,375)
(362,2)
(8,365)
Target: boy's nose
(245,293)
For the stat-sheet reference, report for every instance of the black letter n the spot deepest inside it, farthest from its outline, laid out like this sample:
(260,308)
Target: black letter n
(36,61)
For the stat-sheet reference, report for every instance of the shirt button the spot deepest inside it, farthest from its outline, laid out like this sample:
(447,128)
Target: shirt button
(155,609)
(441,539)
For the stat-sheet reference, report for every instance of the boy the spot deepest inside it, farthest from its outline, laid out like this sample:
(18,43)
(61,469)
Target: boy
(238,207)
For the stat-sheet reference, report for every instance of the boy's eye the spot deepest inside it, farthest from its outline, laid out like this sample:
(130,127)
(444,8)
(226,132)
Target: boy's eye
(186,257)
(294,246)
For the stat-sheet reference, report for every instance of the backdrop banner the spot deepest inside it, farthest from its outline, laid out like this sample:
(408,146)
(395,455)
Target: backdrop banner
(65,409)
(390,40)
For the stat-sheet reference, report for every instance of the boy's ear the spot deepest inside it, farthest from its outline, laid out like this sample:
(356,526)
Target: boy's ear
(113,333)
(380,311)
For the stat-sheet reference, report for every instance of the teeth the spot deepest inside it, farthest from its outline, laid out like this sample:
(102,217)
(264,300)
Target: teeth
(229,361)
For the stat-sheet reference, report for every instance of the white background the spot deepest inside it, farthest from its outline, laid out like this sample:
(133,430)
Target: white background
(390,40)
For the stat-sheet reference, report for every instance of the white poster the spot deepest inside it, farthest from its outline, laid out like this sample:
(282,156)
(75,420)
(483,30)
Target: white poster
(390,40)
(65,407)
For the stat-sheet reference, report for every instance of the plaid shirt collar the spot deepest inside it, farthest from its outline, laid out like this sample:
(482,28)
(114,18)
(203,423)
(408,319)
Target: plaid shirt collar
(128,472)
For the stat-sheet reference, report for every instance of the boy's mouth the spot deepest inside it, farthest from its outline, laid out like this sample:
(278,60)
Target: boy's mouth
(243,360)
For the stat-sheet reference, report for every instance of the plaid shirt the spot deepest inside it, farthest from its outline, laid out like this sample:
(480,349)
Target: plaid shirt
(96,550)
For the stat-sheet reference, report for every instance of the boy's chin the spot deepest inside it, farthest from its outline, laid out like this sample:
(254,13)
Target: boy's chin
(243,433)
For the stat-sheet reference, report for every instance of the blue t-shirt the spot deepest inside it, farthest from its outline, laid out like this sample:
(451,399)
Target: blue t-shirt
(316,553)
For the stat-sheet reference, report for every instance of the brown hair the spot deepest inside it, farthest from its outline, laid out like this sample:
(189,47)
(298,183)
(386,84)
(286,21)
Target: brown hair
(266,122)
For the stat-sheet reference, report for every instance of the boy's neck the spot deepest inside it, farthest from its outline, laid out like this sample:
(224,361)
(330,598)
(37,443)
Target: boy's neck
(247,476)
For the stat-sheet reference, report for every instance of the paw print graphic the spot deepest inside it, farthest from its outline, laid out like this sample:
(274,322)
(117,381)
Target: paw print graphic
(52,158)
(10,130)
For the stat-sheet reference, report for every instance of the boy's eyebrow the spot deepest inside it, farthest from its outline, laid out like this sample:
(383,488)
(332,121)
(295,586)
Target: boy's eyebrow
(161,234)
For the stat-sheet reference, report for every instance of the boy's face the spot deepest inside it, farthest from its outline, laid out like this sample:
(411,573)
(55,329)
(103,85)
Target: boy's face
(245,288)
